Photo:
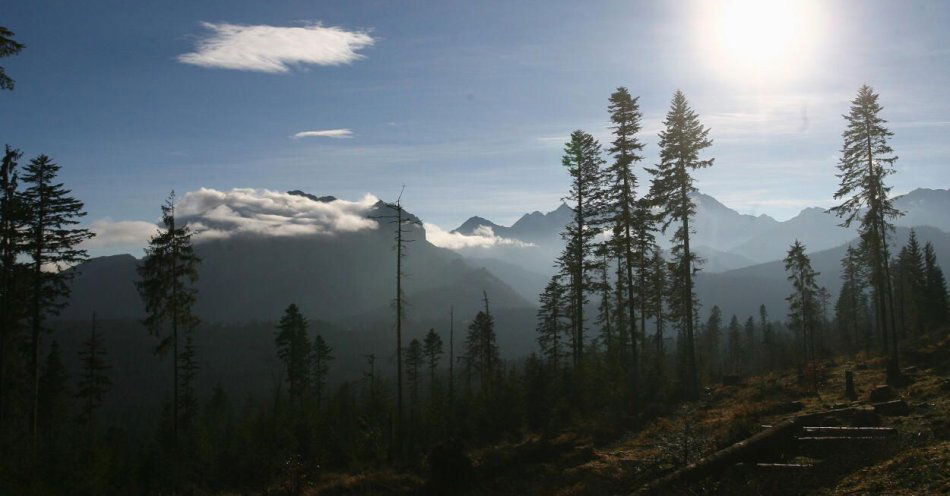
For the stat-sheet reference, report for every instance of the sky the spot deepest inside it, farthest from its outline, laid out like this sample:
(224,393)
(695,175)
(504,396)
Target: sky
(467,104)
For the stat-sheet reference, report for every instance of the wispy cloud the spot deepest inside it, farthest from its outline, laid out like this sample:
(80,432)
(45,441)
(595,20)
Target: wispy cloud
(275,49)
(482,237)
(217,214)
(325,133)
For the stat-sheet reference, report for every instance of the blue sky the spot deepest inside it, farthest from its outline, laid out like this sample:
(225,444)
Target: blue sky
(467,103)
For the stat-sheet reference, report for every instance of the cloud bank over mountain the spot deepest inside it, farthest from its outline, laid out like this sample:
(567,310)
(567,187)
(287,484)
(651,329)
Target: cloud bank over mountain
(481,237)
(217,214)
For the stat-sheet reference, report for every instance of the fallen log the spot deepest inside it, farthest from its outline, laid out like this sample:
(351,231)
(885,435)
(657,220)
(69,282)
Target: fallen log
(849,431)
(759,446)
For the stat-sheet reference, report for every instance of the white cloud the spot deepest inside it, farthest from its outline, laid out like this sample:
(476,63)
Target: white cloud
(482,237)
(325,133)
(219,214)
(123,232)
(275,49)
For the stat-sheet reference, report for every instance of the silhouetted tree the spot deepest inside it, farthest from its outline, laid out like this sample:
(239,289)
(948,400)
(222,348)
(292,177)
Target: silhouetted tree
(414,363)
(851,309)
(94,382)
(293,349)
(622,209)
(550,322)
(582,160)
(936,288)
(749,350)
(12,220)
(658,282)
(712,343)
(605,311)
(803,302)
(167,276)
(910,285)
(866,160)
(400,220)
(53,407)
(734,345)
(768,338)
(321,356)
(681,141)
(53,244)
(188,397)
(8,47)
(432,349)
(481,351)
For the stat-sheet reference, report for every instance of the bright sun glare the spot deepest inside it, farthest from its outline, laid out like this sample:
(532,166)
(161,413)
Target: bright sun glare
(763,39)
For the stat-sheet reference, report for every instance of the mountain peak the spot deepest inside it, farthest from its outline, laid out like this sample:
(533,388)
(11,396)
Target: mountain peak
(469,226)
(321,199)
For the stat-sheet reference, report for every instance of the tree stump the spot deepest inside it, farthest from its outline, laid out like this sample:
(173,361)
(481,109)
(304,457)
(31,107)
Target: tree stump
(849,391)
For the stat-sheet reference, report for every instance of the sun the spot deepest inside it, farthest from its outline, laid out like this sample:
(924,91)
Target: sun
(762,39)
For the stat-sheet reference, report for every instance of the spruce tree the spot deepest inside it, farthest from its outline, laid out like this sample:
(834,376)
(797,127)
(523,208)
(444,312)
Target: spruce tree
(936,289)
(53,405)
(866,160)
(583,162)
(768,339)
(625,213)
(167,276)
(188,396)
(712,343)
(852,306)
(8,47)
(12,304)
(681,141)
(749,350)
(735,345)
(551,323)
(293,349)
(414,364)
(320,356)
(658,282)
(481,350)
(94,382)
(432,349)
(53,244)
(605,312)
(803,301)
(910,286)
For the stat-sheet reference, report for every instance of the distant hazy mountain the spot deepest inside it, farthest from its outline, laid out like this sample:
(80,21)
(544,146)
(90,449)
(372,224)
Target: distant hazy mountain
(332,277)
(720,227)
(535,227)
(724,237)
(819,229)
(925,207)
(741,291)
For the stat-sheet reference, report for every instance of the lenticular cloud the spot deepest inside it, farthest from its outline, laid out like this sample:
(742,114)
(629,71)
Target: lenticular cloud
(217,214)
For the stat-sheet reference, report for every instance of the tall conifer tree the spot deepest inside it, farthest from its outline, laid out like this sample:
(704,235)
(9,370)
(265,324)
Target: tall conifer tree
(623,210)
(167,277)
(53,244)
(866,160)
(583,162)
(681,141)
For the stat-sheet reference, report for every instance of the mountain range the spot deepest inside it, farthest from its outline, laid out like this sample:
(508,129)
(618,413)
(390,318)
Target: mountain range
(344,281)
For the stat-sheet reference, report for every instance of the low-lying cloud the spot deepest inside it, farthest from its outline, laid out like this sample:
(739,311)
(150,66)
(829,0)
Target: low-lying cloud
(275,49)
(481,237)
(121,232)
(217,214)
